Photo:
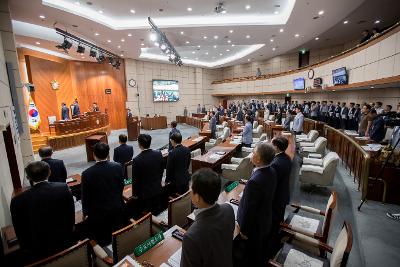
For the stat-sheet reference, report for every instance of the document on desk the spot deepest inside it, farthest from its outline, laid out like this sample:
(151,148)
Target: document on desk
(175,259)
(127,262)
(215,156)
(308,224)
(235,208)
(297,258)
(372,147)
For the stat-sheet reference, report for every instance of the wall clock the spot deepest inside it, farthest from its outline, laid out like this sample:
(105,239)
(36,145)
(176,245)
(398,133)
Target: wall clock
(311,74)
(132,83)
(55,85)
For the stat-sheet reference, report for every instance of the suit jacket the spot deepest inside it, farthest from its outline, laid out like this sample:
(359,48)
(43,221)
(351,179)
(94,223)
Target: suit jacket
(255,210)
(344,113)
(178,165)
(203,110)
(377,129)
(213,126)
(298,122)
(76,110)
(173,130)
(65,113)
(58,170)
(123,154)
(208,241)
(147,171)
(44,218)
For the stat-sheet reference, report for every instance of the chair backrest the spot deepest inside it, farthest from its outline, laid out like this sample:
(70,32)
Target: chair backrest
(341,249)
(218,140)
(259,129)
(206,117)
(320,145)
(51,119)
(224,124)
(388,134)
(77,255)
(128,169)
(226,133)
(313,135)
(255,124)
(126,239)
(246,167)
(271,117)
(195,153)
(330,206)
(263,137)
(178,210)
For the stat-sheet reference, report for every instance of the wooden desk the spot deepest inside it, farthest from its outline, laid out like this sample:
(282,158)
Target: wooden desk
(133,128)
(154,123)
(198,115)
(192,143)
(207,160)
(164,250)
(90,141)
(205,131)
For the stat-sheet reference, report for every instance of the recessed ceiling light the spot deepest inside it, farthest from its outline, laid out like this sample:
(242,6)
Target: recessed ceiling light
(187,42)
(276,12)
(204,37)
(129,34)
(231,31)
(142,44)
(345,22)
(82,57)
(37,43)
(215,46)
(220,54)
(198,46)
(189,9)
(377,21)
(273,48)
(247,36)
(321,12)
(119,46)
(109,41)
(96,33)
(156,44)
(233,45)
(271,40)
(316,38)
(247,7)
(193,52)
(122,40)
(229,41)
(227,50)
(121,55)
(197,58)
(101,11)
(281,30)
(133,11)
(296,35)
(206,53)
(42,16)
(215,36)
(372,87)
(182,33)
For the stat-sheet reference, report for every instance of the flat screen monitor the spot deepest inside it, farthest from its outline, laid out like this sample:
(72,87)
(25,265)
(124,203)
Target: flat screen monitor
(165,91)
(340,76)
(299,84)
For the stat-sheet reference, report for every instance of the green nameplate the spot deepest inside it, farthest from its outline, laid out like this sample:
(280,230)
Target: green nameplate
(232,186)
(128,181)
(148,244)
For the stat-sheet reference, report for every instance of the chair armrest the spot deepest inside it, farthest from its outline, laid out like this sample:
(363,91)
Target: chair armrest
(315,155)
(101,253)
(306,144)
(312,161)
(236,160)
(303,139)
(232,167)
(158,222)
(296,229)
(309,149)
(274,263)
(311,168)
(308,240)
(247,149)
(308,209)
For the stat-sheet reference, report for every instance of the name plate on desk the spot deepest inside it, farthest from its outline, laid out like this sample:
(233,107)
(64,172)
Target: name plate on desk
(128,181)
(148,244)
(232,186)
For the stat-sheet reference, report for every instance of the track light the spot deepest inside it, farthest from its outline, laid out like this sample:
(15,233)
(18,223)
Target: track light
(65,45)
(101,58)
(163,47)
(92,53)
(110,60)
(81,49)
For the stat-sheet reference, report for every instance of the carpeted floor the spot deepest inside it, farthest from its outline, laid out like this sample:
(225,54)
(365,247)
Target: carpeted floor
(376,238)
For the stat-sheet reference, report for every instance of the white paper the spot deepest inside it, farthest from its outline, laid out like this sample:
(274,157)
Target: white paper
(69,180)
(241,195)
(215,156)
(175,259)
(78,206)
(308,224)
(296,258)
(122,263)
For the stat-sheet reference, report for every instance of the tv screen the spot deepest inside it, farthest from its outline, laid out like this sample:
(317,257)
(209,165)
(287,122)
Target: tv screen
(299,84)
(340,76)
(165,91)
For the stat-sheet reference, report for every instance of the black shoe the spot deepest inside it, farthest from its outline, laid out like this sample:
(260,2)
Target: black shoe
(394,216)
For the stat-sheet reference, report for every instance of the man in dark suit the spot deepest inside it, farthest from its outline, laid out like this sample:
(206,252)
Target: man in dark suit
(102,201)
(255,208)
(177,165)
(208,241)
(282,164)
(147,168)
(344,113)
(76,111)
(213,125)
(203,109)
(377,130)
(44,215)
(173,130)
(123,153)
(64,112)
(58,172)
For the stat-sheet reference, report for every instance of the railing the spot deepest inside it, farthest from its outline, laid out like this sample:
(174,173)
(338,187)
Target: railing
(195,122)
(353,156)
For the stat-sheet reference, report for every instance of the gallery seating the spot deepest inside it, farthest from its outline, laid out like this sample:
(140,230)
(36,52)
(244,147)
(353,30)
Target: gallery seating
(240,168)
(320,172)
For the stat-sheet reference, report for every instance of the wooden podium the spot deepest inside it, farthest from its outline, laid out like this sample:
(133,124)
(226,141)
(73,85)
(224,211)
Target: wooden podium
(133,128)
(91,140)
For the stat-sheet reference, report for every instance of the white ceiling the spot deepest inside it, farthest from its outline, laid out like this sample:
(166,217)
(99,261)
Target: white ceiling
(127,31)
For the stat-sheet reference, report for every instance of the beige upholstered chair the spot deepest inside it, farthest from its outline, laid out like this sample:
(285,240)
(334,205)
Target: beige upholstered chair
(206,118)
(222,126)
(271,117)
(314,228)
(213,142)
(193,154)
(240,168)
(255,124)
(258,131)
(246,151)
(310,137)
(176,214)
(262,138)
(292,255)
(319,172)
(225,133)
(77,255)
(266,114)
(318,147)
(124,241)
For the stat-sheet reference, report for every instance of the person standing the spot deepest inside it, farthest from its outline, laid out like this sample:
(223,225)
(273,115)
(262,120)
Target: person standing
(208,241)
(44,215)
(351,123)
(198,110)
(331,114)
(255,209)
(247,134)
(213,125)
(129,113)
(203,109)
(344,111)
(58,172)
(338,110)
(178,166)
(174,124)
(123,153)
(76,111)
(324,111)
(95,107)
(377,130)
(314,110)
(362,128)
(298,121)
(64,112)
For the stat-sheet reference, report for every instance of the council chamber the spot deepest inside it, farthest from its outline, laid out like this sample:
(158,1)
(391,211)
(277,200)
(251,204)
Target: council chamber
(200,133)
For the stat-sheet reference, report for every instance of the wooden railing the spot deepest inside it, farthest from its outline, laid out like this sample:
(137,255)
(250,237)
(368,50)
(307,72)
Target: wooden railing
(353,156)
(195,122)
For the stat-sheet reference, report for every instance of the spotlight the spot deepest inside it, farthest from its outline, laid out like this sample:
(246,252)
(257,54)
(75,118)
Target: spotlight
(65,45)
(116,64)
(101,58)
(163,47)
(92,53)
(173,56)
(110,60)
(153,37)
(81,49)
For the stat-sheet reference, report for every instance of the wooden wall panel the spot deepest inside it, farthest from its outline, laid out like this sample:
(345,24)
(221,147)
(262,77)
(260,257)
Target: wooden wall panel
(83,80)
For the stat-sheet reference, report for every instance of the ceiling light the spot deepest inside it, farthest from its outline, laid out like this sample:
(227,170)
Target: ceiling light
(42,17)
(321,12)
(153,37)
(316,38)
(82,57)
(129,34)
(198,46)
(276,12)
(193,52)
(108,41)
(248,59)
(296,35)
(142,44)
(281,30)
(37,43)
(345,22)
(231,31)
(273,48)
(122,40)
(204,37)
(121,55)
(247,36)
(271,40)
(220,54)
(215,46)
(65,45)
(206,53)
(80,49)
(182,33)
(118,46)
(229,41)
(189,9)
(163,46)
(377,21)
(96,33)
(227,50)
(187,42)
(215,36)
(233,45)
(247,7)
(156,44)
(133,11)
(101,11)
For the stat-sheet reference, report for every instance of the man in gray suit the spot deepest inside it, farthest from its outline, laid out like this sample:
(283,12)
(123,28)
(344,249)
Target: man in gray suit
(208,241)
(213,125)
